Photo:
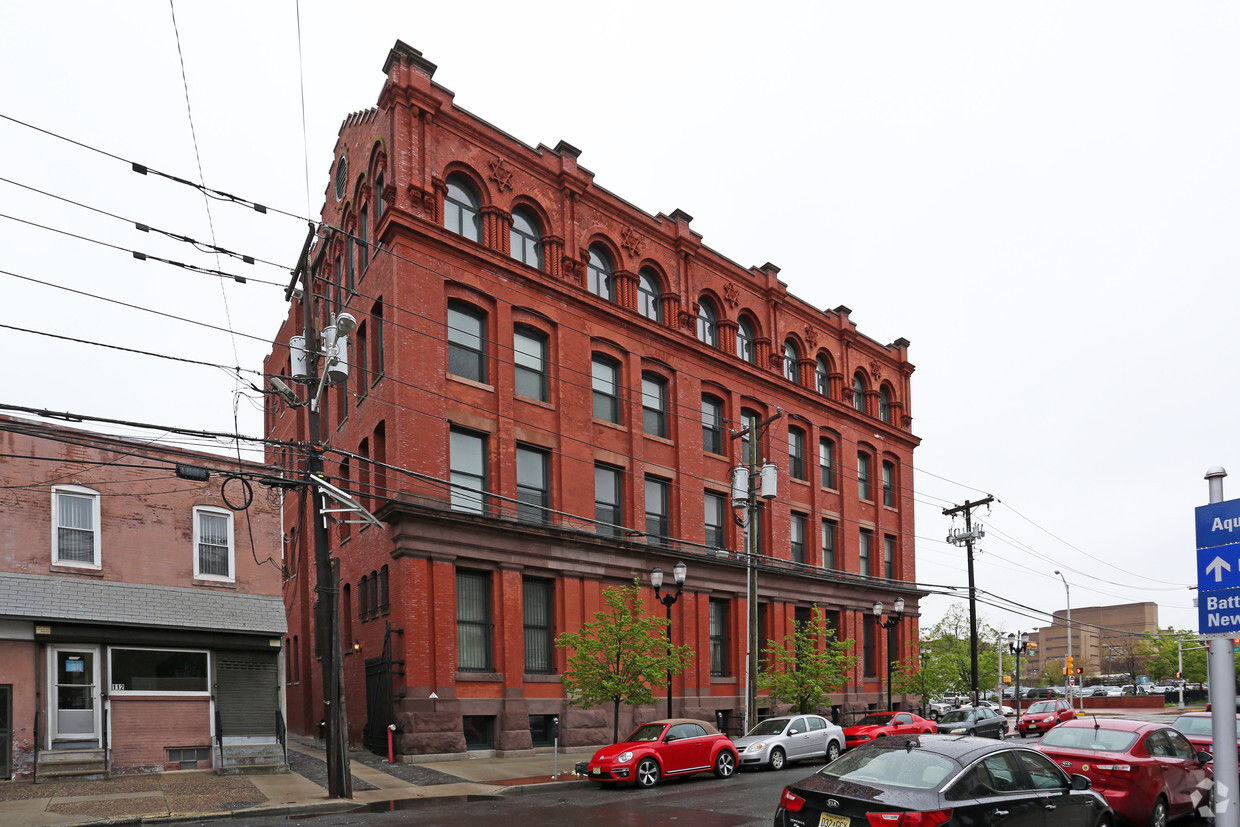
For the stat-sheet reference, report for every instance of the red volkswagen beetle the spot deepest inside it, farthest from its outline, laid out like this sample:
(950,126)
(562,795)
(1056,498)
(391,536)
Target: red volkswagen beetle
(674,746)
(1149,773)
(883,724)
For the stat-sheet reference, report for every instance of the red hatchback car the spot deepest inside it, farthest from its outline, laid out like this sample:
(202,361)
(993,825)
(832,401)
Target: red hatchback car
(1043,715)
(883,724)
(1148,773)
(674,746)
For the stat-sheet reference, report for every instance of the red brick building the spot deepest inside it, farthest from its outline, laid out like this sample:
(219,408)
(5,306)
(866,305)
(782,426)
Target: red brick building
(544,386)
(141,621)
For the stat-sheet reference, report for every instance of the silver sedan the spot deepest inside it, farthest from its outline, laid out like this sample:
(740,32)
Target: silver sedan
(776,741)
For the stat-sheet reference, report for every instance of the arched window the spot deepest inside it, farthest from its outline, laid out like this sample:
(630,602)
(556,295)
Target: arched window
(792,359)
(363,240)
(822,377)
(708,323)
(884,404)
(648,294)
(599,272)
(460,209)
(744,341)
(378,197)
(526,238)
(859,391)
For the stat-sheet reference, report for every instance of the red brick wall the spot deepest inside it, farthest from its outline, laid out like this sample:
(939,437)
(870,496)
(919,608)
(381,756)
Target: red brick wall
(17,667)
(142,729)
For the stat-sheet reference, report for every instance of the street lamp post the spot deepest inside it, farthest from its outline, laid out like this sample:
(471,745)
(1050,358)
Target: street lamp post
(926,652)
(889,624)
(656,580)
(1018,645)
(1068,602)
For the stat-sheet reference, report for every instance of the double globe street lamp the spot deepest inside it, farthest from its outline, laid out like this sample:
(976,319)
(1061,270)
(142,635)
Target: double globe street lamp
(656,579)
(889,624)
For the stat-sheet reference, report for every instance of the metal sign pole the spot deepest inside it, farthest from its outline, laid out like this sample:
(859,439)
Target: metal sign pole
(1223,703)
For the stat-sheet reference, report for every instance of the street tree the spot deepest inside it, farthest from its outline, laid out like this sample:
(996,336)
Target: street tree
(619,656)
(949,657)
(808,665)
(1130,655)
(1165,657)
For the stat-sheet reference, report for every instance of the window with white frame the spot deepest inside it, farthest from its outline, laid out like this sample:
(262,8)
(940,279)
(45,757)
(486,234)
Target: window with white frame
(213,543)
(75,526)
(166,671)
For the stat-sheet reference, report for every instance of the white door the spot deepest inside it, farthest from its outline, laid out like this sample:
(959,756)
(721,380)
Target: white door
(75,694)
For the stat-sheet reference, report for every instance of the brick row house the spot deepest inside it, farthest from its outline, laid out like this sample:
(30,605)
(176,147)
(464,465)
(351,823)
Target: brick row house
(544,386)
(141,618)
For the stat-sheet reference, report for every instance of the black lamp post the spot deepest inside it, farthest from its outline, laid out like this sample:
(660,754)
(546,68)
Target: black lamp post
(926,652)
(1018,645)
(656,580)
(889,624)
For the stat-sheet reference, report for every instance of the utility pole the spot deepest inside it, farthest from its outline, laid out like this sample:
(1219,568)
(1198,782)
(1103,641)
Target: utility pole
(339,779)
(967,537)
(745,495)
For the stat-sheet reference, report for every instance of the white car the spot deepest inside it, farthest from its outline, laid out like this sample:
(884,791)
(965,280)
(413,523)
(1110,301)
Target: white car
(776,741)
(998,707)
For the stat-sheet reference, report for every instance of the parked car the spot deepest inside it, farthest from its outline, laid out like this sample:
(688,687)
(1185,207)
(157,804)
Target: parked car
(941,781)
(674,746)
(974,720)
(1002,709)
(1040,692)
(883,724)
(1149,773)
(1197,727)
(1107,692)
(776,741)
(1044,715)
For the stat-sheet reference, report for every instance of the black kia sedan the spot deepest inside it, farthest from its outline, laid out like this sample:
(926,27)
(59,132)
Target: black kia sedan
(929,780)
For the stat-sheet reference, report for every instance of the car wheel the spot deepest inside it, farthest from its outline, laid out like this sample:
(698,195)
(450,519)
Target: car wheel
(934,716)
(725,764)
(1158,816)
(971,732)
(777,758)
(833,751)
(647,772)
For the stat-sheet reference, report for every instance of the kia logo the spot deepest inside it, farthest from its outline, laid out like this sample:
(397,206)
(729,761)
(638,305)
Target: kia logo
(832,803)
(1066,763)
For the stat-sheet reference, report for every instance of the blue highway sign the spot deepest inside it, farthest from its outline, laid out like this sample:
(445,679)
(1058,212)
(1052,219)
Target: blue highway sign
(1218,613)
(1218,567)
(1218,524)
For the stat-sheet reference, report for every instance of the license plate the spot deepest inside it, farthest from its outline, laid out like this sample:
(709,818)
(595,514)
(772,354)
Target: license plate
(596,770)
(832,820)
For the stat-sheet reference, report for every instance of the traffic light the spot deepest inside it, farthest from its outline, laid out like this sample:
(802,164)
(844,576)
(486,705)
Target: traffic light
(1080,669)
(1068,664)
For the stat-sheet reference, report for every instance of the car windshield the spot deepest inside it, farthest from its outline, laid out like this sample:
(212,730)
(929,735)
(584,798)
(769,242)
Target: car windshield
(772,727)
(1199,725)
(1090,738)
(957,716)
(914,768)
(882,719)
(647,732)
(1041,706)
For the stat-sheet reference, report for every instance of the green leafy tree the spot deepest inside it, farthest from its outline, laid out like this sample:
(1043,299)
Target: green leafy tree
(800,672)
(1165,653)
(1130,655)
(949,659)
(912,677)
(620,655)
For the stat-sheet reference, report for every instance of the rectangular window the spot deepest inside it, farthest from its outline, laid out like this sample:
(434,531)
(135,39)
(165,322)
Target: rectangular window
(718,638)
(361,353)
(529,357)
(863,475)
(606,379)
(826,462)
(654,405)
(466,343)
(533,490)
(656,510)
(749,420)
(712,425)
(469,471)
(863,551)
(797,532)
(833,625)
(158,670)
(376,342)
(829,530)
(715,511)
(869,648)
(889,557)
(75,524)
(796,453)
(889,482)
(536,606)
(607,510)
(363,242)
(213,543)
(473,621)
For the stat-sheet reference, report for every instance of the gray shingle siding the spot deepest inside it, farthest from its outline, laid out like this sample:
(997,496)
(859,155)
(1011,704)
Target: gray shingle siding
(38,596)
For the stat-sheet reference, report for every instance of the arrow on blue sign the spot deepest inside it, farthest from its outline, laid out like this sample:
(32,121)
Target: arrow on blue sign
(1218,567)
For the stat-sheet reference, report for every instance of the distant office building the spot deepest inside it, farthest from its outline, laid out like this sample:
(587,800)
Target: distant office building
(1099,637)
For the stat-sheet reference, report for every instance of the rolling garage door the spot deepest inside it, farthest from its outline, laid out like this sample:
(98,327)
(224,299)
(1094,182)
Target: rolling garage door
(247,693)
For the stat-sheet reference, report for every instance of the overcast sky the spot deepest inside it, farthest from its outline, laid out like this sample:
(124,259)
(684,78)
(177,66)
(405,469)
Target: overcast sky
(1043,198)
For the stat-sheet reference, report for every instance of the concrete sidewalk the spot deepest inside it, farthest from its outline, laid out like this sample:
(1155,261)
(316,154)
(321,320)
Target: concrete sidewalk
(160,798)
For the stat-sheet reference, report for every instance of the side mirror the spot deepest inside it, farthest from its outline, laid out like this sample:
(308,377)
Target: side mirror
(1081,783)
(1204,757)
(794,732)
(667,739)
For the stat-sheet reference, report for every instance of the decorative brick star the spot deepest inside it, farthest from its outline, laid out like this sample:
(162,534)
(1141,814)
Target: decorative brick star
(631,241)
(732,294)
(501,174)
